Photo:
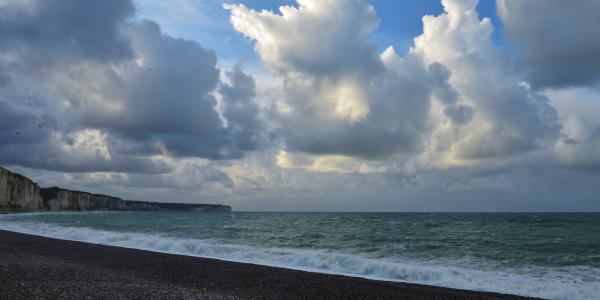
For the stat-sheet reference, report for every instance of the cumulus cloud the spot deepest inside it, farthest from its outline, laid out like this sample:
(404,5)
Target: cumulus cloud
(297,41)
(507,117)
(558,40)
(452,94)
(341,96)
(101,92)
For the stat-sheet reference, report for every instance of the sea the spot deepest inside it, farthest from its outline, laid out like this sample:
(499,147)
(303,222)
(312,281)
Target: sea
(547,255)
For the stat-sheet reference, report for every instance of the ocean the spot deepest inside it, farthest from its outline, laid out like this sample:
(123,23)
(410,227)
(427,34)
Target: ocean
(547,255)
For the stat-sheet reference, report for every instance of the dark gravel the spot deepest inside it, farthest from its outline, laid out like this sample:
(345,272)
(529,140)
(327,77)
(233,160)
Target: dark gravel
(33,267)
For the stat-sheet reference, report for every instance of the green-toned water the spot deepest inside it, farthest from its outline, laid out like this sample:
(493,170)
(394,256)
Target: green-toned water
(547,255)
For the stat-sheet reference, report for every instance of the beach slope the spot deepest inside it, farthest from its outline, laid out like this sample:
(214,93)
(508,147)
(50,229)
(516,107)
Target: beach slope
(33,267)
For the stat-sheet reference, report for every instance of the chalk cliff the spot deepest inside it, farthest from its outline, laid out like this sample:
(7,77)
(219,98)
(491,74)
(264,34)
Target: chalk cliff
(19,193)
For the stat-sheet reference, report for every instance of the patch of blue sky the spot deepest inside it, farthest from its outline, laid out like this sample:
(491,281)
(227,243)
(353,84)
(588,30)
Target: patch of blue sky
(208,23)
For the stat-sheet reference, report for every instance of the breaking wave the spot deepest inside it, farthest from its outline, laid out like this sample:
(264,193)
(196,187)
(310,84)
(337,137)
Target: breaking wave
(566,283)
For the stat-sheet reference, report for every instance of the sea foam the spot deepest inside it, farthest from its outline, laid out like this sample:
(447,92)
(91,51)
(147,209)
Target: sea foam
(553,284)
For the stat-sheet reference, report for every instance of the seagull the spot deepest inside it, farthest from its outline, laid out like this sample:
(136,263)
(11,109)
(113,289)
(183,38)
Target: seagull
(40,125)
(18,133)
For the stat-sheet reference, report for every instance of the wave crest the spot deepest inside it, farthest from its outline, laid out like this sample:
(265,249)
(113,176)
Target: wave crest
(567,283)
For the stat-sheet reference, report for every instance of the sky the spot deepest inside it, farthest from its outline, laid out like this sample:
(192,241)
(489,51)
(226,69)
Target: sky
(307,105)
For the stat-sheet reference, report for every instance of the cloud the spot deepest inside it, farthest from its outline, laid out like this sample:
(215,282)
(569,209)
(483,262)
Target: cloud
(240,111)
(578,149)
(97,79)
(341,96)
(127,109)
(162,98)
(13,119)
(28,140)
(297,40)
(326,163)
(506,117)
(558,40)
(559,50)
(46,32)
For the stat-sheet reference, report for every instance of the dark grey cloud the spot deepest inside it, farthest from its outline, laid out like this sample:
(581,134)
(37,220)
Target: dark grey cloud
(240,111)
(46,32)
(31,140)
(111,92)
(12,118)
(55,158)
(164,98)
(559,40)
(19,126)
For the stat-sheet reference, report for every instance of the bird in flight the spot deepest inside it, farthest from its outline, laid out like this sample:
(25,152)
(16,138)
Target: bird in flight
(18,133)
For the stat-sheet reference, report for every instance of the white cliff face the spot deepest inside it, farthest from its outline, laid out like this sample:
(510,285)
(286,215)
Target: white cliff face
(18,192)
(3,186)
(69,200)
(57,199)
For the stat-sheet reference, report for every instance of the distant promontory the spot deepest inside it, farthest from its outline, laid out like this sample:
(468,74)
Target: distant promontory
(19,193)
